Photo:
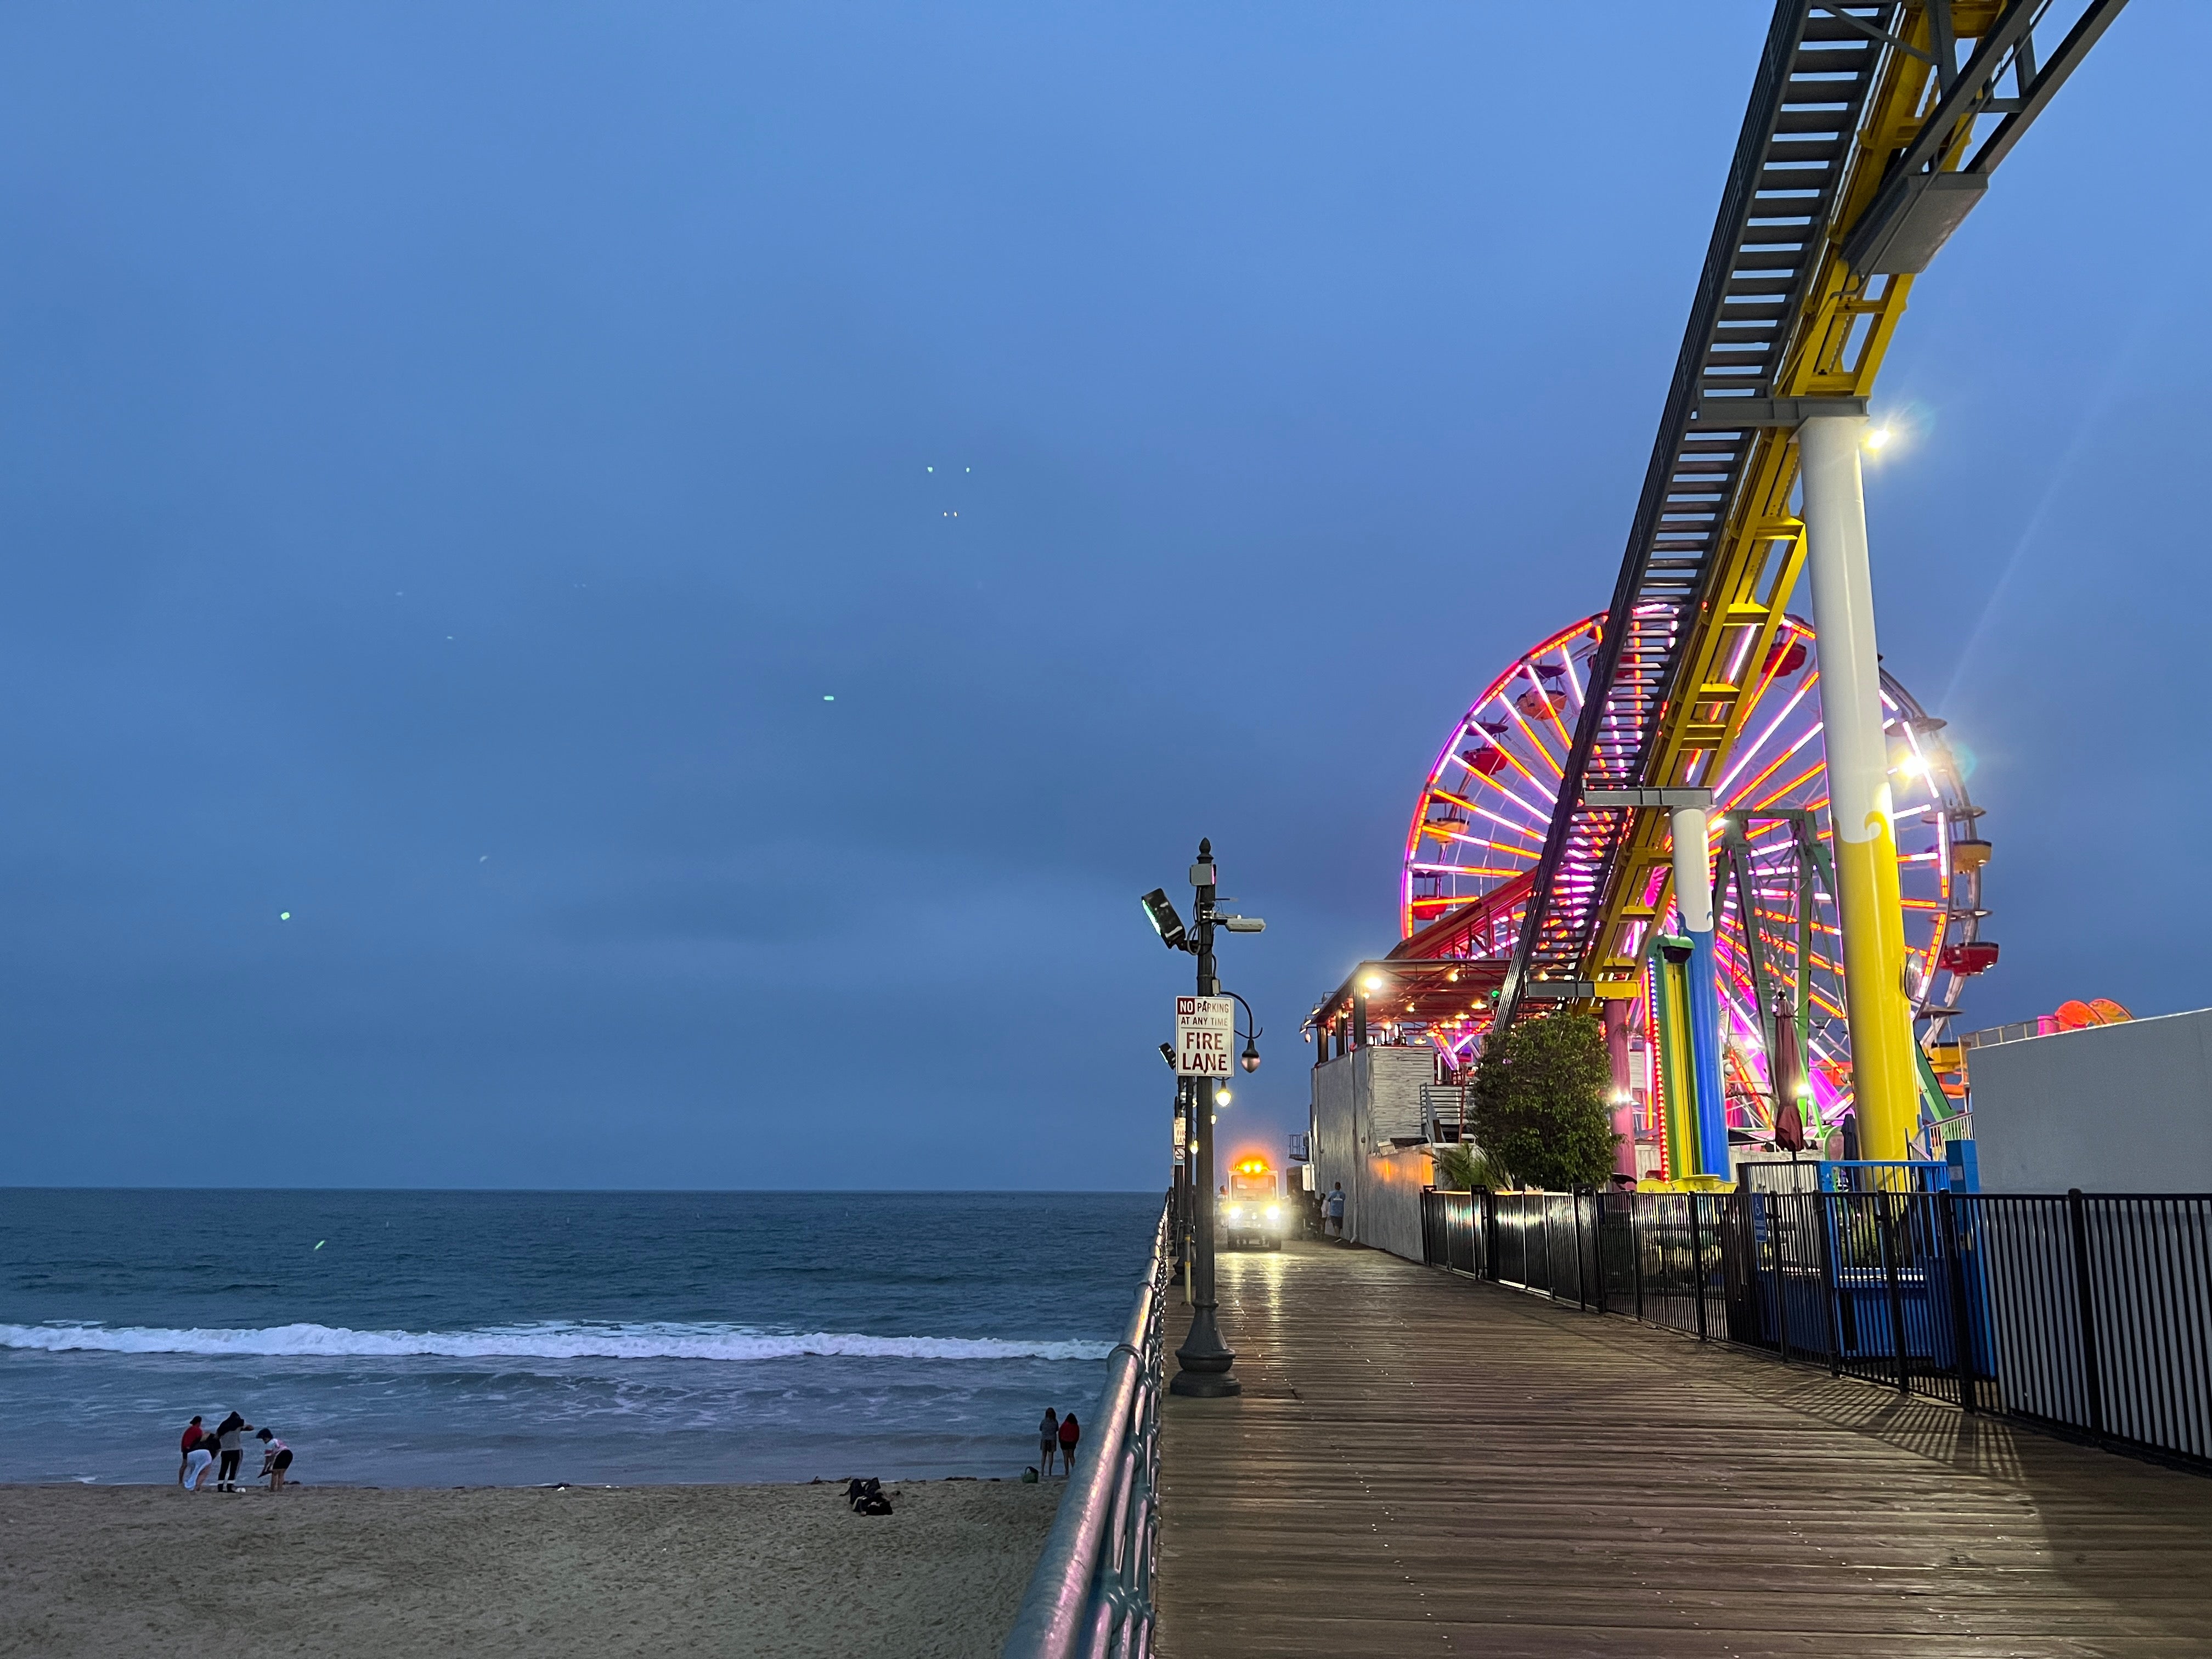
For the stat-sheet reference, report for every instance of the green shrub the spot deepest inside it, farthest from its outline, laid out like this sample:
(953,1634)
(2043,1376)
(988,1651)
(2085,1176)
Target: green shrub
(1539,1101)
(1463,1168)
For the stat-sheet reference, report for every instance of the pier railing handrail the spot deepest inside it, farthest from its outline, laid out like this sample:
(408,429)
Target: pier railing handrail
(1091,1595)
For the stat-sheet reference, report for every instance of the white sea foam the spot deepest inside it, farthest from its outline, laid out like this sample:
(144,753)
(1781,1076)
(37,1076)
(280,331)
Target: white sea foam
(540,1341)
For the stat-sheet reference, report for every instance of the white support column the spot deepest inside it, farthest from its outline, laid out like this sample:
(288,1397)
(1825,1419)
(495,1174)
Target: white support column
(1884,1080)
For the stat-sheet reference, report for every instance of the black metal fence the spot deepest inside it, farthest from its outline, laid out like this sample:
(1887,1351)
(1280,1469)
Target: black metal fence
(2091,1315)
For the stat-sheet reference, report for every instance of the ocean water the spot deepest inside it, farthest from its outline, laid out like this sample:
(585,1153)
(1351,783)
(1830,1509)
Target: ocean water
(466,1339)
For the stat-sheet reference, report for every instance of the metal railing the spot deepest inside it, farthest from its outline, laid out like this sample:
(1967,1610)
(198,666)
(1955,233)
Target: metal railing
(1091,1596)
(1443,1113)
(2042,1026)
(2087,1314)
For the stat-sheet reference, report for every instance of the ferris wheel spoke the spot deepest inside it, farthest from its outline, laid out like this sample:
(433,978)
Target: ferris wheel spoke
(1802,778)
(1534,742)
(1551,699)
(1443,829)
(1574,680)
(1566,738)
(1490,845)
(1772,767)
(1483,870)
(1515,826)
(1749,754)
(1542,814)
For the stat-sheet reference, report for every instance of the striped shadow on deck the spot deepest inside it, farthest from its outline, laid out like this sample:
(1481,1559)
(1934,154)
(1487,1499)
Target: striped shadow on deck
(1421,1464)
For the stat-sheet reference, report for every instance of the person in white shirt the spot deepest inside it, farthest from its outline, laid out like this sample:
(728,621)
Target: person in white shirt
(197,1461)
(275,1458)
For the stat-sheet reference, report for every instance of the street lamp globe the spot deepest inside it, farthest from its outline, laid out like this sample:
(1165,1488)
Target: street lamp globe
(1251,1059)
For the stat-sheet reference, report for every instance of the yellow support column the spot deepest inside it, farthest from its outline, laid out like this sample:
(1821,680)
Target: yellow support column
(1884,1078)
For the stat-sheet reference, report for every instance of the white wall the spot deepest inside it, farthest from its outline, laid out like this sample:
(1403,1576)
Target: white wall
(2114,1108)
(1360,1101)
(1391,1200)
(1334,1151)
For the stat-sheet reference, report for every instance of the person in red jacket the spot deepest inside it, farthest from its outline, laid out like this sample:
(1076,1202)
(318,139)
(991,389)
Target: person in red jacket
(193,1435)
(1069,1434)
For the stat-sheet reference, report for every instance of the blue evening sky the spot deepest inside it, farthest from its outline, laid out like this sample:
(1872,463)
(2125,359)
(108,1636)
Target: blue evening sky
(450,454)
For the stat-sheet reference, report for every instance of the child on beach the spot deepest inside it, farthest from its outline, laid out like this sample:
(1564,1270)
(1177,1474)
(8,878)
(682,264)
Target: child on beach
(275,1458)
(197,1461)
(1070,1432)
(193,1436)
(1047,1440)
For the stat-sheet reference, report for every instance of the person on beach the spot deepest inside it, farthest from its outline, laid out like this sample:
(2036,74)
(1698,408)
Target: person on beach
(197,1461)
(1047,1440)
(230,1442)
(1336,1210)
(1069,1434)
(193,1435)
(275,1458)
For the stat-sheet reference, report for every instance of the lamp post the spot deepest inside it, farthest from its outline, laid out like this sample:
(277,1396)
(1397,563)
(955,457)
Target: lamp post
(1179,1193)
(1205,1358)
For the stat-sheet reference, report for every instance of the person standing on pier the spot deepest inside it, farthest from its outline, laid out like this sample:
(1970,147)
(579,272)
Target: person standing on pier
(1336,1210)
(1047,1440)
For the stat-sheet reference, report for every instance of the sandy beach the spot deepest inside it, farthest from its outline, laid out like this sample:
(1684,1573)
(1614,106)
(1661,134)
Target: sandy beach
(780,1571)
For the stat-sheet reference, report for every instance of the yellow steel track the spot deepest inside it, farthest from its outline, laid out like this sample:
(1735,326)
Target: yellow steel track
(1835,350)
(1718,546)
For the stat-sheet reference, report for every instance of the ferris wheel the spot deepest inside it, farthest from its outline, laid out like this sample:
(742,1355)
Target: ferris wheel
(1484,812)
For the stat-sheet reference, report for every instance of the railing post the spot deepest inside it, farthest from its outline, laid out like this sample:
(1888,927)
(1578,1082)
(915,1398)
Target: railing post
(1773,1209)
(1831,1292)
(1883,1230)
(1489,1234)
(1962,1319)
(1636,1250)
(1697,1264)
(1598,1247)
(1582,1289)
(2084,1301)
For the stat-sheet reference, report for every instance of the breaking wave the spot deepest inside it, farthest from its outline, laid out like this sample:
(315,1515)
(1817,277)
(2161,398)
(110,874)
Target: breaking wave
(538,1341)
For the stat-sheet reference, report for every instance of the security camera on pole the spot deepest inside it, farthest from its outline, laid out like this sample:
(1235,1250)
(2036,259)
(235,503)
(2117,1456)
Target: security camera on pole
(1205,1037)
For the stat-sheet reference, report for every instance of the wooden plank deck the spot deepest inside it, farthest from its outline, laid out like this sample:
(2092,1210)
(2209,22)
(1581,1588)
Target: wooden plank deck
(1421,1464)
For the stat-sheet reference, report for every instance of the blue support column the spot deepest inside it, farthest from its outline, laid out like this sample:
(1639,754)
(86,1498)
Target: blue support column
(1693,901)
(1706,1045)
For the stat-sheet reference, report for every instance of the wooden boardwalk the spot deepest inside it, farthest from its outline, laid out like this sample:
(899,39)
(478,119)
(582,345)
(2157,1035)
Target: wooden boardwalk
(1424,1465)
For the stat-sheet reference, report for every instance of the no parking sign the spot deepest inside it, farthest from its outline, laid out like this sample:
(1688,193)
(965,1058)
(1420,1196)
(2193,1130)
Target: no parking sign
(1205,1035)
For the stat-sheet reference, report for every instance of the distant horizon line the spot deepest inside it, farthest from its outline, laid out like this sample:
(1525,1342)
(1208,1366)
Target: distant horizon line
(755,1192)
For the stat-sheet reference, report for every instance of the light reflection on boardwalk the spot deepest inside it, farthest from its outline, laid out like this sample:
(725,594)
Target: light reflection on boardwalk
(1424,1465)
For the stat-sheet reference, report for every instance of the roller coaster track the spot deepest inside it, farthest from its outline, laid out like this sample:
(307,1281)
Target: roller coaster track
(1872,128)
